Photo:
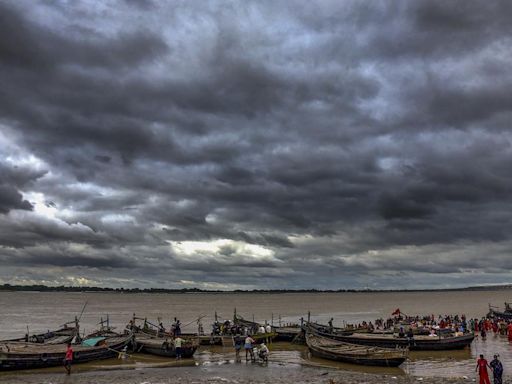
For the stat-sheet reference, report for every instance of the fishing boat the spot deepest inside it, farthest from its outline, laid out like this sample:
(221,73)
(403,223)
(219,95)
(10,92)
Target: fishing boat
(155,340)
(327,329)
(287,332)
(443,340)
(165,346)
(20,355)
(352,353)
(257,331)
(223,332)
(495,313)
(62,335)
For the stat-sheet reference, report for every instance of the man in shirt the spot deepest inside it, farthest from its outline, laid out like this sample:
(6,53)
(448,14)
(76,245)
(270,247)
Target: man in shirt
(178,341)
(68,359)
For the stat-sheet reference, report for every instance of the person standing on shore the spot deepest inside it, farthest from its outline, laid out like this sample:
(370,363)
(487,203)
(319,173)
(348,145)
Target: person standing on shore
(237,343)
(481,367)
(178,341)
(249,341)
(68,359)
(497,370)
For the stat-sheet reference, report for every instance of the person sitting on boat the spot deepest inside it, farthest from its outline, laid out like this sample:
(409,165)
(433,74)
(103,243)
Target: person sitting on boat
(401,332)
(268,328)
(432,332)
(261,329)
(410,333)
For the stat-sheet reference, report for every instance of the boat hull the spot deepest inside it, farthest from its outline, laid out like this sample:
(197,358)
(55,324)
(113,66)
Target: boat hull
(355,354)
(42,357)
(414,344)
(160,349)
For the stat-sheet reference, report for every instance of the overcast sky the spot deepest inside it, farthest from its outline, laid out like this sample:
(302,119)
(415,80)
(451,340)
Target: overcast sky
(268,144)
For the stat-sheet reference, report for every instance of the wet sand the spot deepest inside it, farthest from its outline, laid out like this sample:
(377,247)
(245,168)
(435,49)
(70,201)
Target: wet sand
(217,365)
(226,374)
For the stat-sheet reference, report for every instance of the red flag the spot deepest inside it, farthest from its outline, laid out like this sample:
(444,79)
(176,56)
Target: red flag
(396,312)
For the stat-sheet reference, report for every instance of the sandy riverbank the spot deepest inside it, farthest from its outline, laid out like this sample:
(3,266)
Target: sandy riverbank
(223,374)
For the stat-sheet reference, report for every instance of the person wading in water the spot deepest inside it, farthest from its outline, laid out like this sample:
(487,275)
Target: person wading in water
(497,370)
(481,366)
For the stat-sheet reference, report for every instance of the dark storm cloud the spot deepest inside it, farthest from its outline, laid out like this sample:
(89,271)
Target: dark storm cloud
(10,198)
(13,178)
(319,141)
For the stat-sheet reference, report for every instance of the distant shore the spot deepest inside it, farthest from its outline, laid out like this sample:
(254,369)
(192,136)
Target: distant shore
(45,288)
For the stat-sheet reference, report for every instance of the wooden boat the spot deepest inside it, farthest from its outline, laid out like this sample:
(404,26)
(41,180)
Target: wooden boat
(165,347)
(505,315)
(443,341)
(62,335)
(155,340)
(287,333)
(18,355)
(59,336)
(352,353)
(253,330)
(324,329)
(226,338)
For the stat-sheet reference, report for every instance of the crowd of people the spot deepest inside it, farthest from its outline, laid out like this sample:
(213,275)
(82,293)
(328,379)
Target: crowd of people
(230,327)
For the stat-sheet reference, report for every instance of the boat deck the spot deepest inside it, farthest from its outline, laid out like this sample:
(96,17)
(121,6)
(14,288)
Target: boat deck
(30,348)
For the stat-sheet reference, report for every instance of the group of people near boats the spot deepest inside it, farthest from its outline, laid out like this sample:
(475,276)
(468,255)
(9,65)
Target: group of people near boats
(498,326)
(230,327)
(251,350)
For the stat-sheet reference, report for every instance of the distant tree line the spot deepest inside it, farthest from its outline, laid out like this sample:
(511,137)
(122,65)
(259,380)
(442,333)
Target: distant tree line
(62,288)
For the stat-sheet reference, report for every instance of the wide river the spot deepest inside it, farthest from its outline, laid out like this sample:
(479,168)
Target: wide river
(43,311)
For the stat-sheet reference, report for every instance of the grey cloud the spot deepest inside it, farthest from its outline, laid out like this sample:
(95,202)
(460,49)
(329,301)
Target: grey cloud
(12,179)
(10,198)
(331,134)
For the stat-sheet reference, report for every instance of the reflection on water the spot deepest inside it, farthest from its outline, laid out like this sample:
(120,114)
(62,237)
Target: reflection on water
(43,311)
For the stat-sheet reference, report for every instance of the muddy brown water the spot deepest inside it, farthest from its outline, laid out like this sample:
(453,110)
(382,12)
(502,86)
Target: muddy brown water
(43,311)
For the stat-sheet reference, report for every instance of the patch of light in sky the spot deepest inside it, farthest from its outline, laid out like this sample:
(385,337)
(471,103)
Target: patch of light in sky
(117,218)
(191,247)
(93,188)
(41,206)
(80,280)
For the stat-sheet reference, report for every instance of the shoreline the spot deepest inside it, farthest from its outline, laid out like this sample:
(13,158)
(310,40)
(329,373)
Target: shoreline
(212,374)
(88,289)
